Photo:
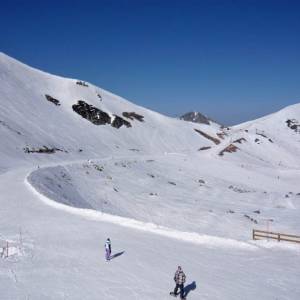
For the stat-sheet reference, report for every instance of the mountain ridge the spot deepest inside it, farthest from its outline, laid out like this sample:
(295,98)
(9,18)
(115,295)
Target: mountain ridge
(196,117)
(25,95)
(61,111)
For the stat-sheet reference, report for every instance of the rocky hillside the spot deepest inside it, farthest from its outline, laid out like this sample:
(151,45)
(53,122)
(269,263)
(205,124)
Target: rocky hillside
(196,117)
(273,140)
(46,114)
(42,114)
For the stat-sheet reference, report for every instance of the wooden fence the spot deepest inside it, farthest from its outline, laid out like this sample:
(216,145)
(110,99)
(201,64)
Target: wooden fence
(261,234)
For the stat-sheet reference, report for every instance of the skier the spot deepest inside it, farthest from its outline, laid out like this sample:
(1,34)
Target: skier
(107,249)
(179,279)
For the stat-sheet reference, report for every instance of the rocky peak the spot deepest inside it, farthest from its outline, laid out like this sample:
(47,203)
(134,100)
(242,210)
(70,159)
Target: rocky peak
(195,117)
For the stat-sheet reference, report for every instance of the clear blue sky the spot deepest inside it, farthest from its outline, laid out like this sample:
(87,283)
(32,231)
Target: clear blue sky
(232,60)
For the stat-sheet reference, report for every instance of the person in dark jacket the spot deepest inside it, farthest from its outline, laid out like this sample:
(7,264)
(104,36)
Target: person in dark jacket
(107,249)
(179,279)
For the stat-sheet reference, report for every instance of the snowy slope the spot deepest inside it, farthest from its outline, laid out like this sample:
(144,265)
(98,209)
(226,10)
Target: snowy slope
(161,200)
(179,192)
(27,119)
(61,257)
(273,140)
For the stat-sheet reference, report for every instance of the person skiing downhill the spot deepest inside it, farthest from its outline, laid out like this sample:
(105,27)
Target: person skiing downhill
(107,249)
(179,279)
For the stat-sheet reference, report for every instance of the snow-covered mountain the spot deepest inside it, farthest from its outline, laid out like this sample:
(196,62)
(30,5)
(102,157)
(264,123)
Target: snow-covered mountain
(79,164)
(31,119)
(77,119)
(196,117)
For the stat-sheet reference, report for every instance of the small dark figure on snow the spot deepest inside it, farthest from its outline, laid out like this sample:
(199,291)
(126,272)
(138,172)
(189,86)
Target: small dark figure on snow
(107,249)
(179,279)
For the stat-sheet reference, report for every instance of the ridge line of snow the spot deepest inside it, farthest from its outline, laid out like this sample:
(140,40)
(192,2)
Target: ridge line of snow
(191,237)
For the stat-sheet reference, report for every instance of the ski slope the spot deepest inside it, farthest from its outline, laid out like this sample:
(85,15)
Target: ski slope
(162,202)
(62,258)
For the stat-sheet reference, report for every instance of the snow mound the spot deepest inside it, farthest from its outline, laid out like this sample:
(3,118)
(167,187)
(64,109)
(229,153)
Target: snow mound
(175,194)
(192,237)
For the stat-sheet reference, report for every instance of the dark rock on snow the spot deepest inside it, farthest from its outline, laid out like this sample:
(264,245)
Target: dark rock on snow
(53,100)
(213,139)
(195,117)
(240,140)
(82,83)
(204,148)
(229,149)
(133,115)
(293,124)
(118,122)
(43,149)
(91,113)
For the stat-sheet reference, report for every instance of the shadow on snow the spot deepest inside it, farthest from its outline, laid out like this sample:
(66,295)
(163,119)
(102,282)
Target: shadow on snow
(117,254)
(190,287)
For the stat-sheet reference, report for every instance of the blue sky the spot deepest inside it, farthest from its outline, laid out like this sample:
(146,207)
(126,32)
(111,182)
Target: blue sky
(231,60)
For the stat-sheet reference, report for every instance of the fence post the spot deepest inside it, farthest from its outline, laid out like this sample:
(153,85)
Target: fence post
(21,238)
(278,237)
(6,248)
(253,234)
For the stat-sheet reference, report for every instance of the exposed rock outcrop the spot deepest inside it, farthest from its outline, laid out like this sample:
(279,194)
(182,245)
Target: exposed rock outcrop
(195,117)
(91,113)
(230,149)
(82,83)
(263,135)
(215,140)
(53,100)
(240,140)
(118,122)
(43,149)
(204,148)
(133,115)
(221,135)
(293,124)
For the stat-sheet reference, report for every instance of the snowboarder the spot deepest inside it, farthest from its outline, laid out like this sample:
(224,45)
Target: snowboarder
(107,249)
(179,279)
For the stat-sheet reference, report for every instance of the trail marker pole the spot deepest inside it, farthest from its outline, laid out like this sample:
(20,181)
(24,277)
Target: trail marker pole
(268,226)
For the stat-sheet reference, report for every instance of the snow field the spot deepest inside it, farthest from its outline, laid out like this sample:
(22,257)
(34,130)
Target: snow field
(67,259)
(162,202)
(174,193)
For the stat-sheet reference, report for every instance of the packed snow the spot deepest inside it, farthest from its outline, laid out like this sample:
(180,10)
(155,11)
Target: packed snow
(66,185)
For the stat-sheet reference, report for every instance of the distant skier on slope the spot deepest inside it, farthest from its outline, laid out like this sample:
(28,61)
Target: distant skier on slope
(179,279)
(107,249)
